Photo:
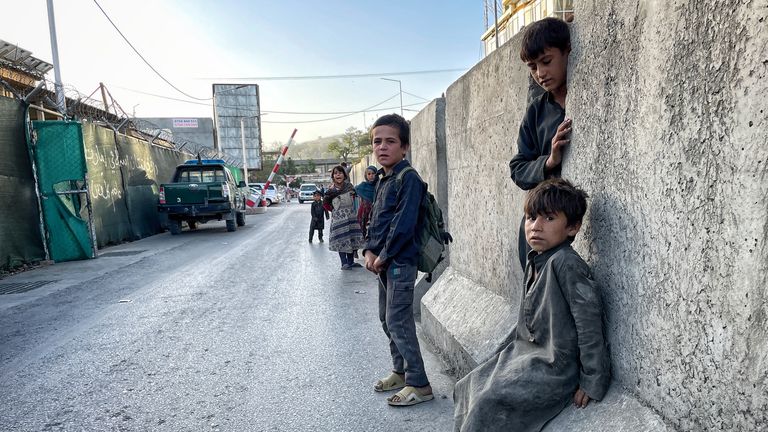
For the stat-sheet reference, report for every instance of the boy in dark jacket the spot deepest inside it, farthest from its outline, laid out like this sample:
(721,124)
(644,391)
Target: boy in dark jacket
(545,130)
(318,223)
(392,252)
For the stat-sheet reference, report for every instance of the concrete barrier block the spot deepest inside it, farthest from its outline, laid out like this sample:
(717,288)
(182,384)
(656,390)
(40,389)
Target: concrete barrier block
(619,411)
(464,321)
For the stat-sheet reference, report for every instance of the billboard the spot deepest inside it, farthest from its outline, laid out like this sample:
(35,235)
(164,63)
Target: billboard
(237,122)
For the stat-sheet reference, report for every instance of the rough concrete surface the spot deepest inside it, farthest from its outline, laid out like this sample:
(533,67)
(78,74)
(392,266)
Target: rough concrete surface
(670,116)
(427,155)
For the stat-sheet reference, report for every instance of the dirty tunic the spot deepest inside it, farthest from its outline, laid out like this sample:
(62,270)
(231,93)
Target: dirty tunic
(346,235)
(556,347)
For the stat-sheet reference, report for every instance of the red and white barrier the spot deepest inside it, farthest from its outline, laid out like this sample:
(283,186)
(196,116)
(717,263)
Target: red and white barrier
(283,151)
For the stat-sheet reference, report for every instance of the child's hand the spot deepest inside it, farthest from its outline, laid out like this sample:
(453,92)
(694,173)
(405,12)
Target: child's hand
(559,141)
(370,259)
(378,265)
(580,399)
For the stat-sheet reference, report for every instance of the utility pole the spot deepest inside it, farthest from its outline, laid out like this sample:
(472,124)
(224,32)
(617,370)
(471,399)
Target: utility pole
(496,22)
(400,85)
(104,96)
(245,156)
(60,100)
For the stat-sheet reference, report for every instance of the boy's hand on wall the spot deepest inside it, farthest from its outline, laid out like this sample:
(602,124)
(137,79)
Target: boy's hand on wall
(559,141)
(580,399)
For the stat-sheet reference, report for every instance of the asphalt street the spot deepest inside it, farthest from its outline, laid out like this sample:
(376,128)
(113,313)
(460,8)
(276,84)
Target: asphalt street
(255,330)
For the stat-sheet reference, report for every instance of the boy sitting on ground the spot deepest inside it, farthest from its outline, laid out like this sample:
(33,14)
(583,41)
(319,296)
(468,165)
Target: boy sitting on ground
(557,351)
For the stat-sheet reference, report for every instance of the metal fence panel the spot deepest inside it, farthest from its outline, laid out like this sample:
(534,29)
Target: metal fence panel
(110,208)
(58,150)
(144,167)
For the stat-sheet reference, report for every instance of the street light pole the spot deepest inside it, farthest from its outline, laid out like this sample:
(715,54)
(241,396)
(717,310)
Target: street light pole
(60,100)
(400,85)
(242,142)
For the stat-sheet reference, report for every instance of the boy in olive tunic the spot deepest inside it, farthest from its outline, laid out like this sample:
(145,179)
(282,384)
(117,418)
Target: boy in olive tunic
(557,351)
(544,131)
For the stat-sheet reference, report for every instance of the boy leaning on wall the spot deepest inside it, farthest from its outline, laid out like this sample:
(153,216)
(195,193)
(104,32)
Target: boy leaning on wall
(545,129)
(557,352)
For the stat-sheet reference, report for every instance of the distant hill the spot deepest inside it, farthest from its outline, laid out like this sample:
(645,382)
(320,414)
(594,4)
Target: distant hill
(313,149)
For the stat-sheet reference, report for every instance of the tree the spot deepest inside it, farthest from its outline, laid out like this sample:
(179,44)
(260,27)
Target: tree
(288,167)
(354,143)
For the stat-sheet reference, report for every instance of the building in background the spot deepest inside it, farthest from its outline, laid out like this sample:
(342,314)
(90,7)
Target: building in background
(237,123)
(504,18)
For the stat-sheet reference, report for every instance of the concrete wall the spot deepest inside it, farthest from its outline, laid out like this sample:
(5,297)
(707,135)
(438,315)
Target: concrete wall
(670,116)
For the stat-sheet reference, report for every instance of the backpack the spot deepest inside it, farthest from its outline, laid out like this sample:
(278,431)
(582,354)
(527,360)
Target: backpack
(430,228)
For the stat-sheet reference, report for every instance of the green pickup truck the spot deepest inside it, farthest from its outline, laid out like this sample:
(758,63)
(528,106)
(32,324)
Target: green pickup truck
(203,190)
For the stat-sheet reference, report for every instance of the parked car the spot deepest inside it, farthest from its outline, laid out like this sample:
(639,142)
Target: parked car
(306,191)
(271,196)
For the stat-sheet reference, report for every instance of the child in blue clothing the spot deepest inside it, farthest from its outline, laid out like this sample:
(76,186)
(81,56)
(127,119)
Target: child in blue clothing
(392,253)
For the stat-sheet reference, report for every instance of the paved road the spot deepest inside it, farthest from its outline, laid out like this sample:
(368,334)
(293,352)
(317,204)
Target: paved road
(255,330)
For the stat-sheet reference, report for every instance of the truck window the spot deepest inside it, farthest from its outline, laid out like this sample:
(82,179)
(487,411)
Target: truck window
(189,177)
(213,175)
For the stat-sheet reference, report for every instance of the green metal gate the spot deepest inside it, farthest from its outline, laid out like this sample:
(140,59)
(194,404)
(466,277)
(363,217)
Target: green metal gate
(57,147)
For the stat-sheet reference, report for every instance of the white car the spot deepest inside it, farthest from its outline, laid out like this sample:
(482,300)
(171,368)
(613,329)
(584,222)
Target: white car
(306,191)
(271,196)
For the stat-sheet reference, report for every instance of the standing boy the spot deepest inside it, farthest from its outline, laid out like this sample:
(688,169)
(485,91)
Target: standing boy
(545,130)
(392,253)
(318,223)
(557,351)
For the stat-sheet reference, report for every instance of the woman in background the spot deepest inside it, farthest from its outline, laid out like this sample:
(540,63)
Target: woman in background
(346,236)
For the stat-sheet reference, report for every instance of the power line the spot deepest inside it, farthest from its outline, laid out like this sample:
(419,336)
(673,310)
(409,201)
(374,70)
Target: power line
(271,111)
(316,77)
(142,57)
(417,96)
(342,116)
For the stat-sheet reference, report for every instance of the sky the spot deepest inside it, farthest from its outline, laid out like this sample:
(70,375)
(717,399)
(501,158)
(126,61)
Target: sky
(195,43)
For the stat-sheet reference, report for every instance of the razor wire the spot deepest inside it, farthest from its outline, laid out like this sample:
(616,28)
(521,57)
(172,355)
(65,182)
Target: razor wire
(93,107)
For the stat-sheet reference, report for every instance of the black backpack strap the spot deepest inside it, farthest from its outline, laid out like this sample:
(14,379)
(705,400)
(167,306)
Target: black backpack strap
(401,175)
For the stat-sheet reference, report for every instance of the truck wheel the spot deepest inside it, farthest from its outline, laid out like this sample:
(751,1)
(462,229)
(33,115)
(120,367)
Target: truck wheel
(269,202)
(240,218)
(174,227)
(231,222)
(301,201)
(192,225)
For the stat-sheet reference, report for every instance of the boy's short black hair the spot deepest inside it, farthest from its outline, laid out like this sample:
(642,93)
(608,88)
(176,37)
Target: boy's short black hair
(397,122)
(317,192)
(545,33)
(557,195)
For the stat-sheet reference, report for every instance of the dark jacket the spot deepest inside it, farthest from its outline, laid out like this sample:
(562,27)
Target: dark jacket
(392,229)
(318,213)
(534,142)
